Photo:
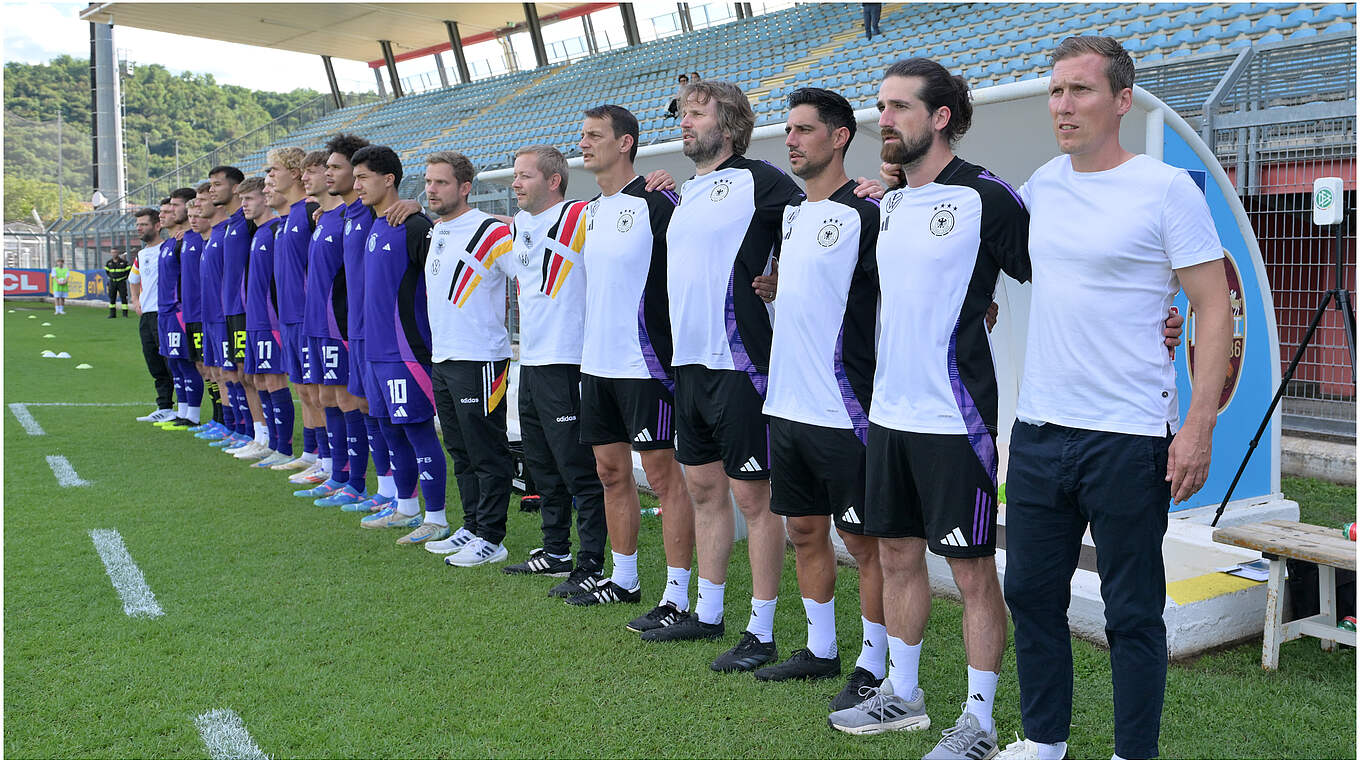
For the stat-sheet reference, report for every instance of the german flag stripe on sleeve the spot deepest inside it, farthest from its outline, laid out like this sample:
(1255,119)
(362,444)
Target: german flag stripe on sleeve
(570,231)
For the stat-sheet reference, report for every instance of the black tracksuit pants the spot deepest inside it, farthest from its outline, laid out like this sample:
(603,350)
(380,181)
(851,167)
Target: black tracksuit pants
(155,363)
(469,398)
(562,467)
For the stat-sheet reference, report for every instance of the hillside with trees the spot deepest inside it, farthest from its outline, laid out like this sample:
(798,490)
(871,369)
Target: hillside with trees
(159,108)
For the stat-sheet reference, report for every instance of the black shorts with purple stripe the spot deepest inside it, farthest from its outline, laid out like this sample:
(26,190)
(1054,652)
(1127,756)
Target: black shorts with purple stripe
(930,486)
(639,412)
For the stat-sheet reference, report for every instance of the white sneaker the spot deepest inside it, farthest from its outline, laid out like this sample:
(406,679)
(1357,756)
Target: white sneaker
(451,544)
(478,552)
(160,415)
(293,464)
(305,476)
(1020,749)
(254,450)
(273,459)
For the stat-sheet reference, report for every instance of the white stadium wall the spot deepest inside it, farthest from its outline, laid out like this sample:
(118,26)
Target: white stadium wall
(1011,135)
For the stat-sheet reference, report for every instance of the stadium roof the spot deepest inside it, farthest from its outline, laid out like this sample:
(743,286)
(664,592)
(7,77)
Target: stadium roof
(340,30)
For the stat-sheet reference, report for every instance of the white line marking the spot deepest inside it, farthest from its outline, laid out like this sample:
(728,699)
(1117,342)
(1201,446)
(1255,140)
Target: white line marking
(67,403)
(226,737)
(127,578)
(66,474)
(25,418)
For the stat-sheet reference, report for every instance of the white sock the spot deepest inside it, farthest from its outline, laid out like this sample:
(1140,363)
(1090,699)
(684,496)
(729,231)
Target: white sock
(904,662)
(566,556)
(677,588)
(625,570)
(761,622)
(310,456)
(192,413)
(1051,751)
(326,466)
(261,434)
(408,507)
(387,485)
(873,655)
(183,411)
(821,627)
(436,518)
(709,607)
(1116,756)
(981,695)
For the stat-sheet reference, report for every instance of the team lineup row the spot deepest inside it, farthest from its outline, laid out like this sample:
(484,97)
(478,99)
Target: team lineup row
(820,355)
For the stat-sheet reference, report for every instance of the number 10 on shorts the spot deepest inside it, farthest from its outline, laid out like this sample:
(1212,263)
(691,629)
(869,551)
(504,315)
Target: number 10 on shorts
(396,390)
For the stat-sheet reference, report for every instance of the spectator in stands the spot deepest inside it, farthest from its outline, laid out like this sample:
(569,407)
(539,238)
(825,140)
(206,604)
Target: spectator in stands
(673,108)
(872,12)
(117,269)
(60,278)
(694,77)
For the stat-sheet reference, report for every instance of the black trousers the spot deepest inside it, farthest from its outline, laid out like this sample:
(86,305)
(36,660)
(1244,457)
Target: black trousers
(155,363)
(116,289)
(469,398)
(562,467)
(1060,481)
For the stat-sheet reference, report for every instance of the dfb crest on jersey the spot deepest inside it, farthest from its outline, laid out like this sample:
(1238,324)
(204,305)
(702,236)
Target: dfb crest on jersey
(316,235)
(942,222)
(720,190)
(894,202)
(524,252)
(373,242)
(349,225)
(828,234)
(625,222)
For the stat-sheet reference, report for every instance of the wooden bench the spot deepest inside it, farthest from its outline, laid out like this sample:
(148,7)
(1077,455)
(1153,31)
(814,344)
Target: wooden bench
(1324,547)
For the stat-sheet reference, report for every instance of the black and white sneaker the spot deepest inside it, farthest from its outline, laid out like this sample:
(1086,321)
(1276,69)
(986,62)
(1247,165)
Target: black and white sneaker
(581,580)
(850,695)
(606,591)
(687,628)
(749,654)
(540,563)
(801,665)
(662,615)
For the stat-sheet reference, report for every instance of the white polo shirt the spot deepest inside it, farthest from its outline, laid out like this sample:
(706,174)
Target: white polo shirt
(144,271)
(1104,248)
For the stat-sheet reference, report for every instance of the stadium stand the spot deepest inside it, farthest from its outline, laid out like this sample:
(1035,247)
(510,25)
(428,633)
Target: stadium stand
(819,44)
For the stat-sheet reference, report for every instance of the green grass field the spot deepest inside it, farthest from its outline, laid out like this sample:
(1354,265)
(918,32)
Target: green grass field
(331,641)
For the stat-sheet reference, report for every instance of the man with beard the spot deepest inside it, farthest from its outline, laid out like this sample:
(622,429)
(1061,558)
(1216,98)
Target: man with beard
(723,235)
(931,453)
(145,294)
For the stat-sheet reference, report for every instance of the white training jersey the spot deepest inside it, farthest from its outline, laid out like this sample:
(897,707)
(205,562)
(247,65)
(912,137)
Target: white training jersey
(551,277)
(465,289)
(628,328)
(941,247)
(722,235)
(822,358)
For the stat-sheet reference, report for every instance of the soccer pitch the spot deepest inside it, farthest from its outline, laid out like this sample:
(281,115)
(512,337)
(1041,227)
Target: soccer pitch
(331,641)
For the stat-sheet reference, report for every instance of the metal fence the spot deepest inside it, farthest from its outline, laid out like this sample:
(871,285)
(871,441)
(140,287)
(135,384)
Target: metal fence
(1283,115)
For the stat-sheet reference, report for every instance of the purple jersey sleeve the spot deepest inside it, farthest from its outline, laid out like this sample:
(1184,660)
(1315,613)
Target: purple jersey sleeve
(325,308)
(358,223)
(167,277)
(210,275)
(262,308)
(235,257)
(190,292)
(290,263)
(396,319)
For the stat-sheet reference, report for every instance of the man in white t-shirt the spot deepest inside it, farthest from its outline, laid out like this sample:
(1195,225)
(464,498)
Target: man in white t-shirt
(145,300)
(1098,439)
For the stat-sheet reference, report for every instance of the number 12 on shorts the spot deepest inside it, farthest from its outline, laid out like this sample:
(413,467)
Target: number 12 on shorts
(396,390)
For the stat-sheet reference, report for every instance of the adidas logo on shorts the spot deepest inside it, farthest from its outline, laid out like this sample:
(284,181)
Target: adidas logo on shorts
(850,517)
(955,538)
(644,437)
(751,466)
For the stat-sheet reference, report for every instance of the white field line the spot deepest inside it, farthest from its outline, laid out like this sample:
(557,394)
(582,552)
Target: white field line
(226,737)
(25,418)
(127,578)
(66,474)
(72,403)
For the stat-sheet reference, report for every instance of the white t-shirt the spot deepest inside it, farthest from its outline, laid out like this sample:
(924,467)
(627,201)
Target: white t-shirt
(628,328)
(1103,247)
(551,274)
(144,272)
(465,290)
